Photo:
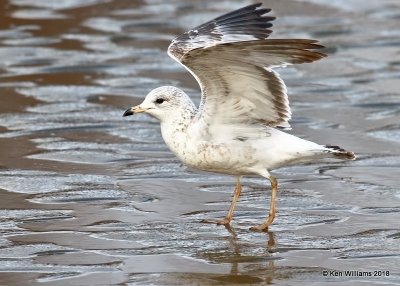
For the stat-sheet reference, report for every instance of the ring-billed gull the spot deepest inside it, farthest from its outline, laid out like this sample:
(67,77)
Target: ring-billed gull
(237,128)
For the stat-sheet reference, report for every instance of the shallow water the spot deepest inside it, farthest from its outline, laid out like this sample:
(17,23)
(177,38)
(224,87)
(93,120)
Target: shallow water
(90,198)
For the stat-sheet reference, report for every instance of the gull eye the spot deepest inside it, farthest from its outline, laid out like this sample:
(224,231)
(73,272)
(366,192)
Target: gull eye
(159,100)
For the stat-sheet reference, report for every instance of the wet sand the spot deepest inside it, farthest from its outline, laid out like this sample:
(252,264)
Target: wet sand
(90,198)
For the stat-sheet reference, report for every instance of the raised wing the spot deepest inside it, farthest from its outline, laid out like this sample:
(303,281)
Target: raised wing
(247,23)
(236,77)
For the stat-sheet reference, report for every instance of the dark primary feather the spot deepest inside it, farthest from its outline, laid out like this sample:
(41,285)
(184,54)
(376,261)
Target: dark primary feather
(247,10)
(250,15)
(247,21)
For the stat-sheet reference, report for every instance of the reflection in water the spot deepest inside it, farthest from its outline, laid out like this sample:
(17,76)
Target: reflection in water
(89,199)
(236,257)
(234,254)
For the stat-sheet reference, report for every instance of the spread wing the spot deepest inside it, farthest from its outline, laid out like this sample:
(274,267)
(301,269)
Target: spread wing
(232,60)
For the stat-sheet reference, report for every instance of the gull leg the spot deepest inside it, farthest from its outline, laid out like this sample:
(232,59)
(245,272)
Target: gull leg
(229,215)
(271,214)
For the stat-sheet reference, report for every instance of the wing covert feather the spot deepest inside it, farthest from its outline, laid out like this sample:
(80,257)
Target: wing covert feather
(232,60)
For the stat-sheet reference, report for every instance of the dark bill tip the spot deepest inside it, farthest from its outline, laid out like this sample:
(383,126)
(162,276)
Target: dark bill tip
(128,112)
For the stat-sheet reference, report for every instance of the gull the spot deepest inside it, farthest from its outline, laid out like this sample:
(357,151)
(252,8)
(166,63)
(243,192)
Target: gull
(239,126)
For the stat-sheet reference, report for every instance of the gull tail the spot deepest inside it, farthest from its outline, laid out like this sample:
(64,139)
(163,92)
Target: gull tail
(340,153)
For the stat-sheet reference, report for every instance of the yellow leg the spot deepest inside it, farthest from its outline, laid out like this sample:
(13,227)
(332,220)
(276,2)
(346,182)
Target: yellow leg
(271,214)
(229,215)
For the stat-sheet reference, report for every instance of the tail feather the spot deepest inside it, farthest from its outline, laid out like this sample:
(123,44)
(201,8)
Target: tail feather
(340,153)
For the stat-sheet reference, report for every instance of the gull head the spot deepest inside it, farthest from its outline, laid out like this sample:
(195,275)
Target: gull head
(165,102)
